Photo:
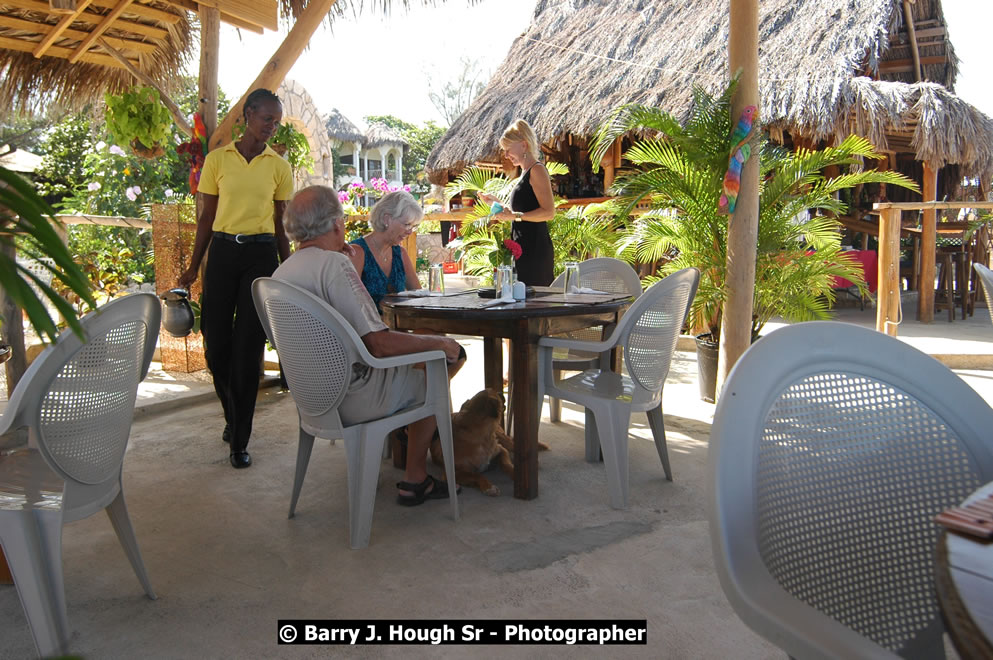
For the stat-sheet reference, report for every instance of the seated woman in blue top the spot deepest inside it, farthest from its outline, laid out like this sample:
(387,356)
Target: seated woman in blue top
(384,266)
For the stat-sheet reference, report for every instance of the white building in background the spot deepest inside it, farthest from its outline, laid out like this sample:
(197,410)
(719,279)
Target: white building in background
(374,153)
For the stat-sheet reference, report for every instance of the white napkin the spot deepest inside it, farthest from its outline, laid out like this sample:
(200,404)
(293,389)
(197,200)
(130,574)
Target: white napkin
(498,301)
(415,293)
(583,289)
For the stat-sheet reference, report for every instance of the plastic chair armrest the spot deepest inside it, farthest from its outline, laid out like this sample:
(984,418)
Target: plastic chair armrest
(578,344)
(401,360)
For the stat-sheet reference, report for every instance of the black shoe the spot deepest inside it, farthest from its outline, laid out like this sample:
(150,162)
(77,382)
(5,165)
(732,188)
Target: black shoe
(226,436)
(241,459)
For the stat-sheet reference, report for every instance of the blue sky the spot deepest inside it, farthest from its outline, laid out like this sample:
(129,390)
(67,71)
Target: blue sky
(383,65)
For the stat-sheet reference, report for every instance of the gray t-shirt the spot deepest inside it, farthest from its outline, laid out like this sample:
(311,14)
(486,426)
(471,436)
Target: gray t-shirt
(372,393)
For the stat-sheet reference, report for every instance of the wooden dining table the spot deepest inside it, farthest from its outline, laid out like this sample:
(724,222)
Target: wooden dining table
(548,312)
(964,584)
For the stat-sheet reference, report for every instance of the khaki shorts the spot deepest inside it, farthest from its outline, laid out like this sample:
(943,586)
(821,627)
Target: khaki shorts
(383,393)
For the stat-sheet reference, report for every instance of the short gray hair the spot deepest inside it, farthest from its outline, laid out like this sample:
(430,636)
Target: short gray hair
(312,212)
(399,205)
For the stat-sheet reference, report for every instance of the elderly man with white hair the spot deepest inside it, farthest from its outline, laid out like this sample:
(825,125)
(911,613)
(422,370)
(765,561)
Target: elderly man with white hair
(315,221)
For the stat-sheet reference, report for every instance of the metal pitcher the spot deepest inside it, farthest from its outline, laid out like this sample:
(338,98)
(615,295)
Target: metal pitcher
(177,315)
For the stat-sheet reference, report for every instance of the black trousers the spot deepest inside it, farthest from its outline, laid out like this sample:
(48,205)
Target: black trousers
(233,336)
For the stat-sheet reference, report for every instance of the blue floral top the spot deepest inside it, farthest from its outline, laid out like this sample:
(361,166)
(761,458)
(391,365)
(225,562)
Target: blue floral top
(375,280)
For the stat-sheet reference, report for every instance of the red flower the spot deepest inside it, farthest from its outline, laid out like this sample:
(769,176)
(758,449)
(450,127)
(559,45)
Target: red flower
(514,247)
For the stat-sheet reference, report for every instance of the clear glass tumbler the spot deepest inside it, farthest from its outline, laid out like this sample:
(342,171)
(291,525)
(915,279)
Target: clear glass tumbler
(571,278)
(436,280)
(503,281)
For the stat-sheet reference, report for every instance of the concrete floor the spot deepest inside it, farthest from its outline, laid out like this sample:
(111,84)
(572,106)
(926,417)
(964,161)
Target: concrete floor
(227,563)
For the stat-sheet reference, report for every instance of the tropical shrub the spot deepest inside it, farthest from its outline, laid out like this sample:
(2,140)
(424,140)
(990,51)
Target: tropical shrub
(680,170)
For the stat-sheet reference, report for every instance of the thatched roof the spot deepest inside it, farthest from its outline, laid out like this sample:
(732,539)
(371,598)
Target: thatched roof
(340,128)
(380,134)
(154,36)
(578,61)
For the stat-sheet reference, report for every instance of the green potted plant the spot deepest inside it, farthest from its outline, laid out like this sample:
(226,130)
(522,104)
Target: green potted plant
(680,170)
(287,141)
(138,118)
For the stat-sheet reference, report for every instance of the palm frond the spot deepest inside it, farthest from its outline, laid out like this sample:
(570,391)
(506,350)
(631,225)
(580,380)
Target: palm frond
(25,215)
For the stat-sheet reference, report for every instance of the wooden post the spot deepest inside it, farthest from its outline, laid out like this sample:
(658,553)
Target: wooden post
(210,39)
(925,296)
(888,275)
(736,324)
(279,64)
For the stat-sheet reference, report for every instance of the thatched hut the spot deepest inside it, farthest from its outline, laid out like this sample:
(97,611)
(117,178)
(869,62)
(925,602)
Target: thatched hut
(70,56)
(827,68)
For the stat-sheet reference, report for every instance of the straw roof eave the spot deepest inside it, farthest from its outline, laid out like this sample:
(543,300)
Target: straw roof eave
(27,82)
(340,128)
(564,77)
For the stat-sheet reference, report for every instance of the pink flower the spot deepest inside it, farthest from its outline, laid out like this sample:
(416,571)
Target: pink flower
(116,150)
(131,194)
(514,247)
(357,185)
(406,188)
(93,186)
(343,196)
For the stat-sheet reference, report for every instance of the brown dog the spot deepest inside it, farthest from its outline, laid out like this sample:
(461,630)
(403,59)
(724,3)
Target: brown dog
(478,440)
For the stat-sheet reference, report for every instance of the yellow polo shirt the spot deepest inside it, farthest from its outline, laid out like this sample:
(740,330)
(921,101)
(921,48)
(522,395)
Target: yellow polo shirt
(245,190)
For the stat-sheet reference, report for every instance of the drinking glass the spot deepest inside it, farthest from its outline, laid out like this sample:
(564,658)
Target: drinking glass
(503,281)
(436,280)
(571,276)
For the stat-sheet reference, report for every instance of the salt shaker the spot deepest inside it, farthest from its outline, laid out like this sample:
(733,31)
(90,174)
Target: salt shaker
(520,292)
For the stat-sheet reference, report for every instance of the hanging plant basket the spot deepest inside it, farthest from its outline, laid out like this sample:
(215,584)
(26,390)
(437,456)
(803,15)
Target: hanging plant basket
(279,148)
(139,149)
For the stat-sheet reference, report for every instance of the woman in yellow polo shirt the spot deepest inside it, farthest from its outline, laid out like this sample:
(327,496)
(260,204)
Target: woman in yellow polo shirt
(244,187)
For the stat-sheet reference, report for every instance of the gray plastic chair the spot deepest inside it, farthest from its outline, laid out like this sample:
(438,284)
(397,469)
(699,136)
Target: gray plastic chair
(647,334)
(77,401)
(986,277)
(317,348)
(833,448)
(603,274)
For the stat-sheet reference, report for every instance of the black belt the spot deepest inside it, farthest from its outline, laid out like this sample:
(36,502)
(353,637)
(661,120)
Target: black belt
(246,238)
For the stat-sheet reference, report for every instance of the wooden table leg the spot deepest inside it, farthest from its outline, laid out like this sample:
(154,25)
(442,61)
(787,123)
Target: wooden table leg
(525,368)
(493,363)
(5,576)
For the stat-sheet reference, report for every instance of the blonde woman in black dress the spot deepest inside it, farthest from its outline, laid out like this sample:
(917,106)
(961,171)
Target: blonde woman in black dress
(531,205)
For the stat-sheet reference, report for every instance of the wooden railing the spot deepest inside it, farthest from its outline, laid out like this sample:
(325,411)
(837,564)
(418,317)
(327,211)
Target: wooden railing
(888,304)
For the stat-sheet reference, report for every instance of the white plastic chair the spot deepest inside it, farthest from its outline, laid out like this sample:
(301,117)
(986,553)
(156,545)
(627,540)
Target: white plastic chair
(317,348)
(647,333)
(986,277)
(77,401)
(602,274)
(833,448)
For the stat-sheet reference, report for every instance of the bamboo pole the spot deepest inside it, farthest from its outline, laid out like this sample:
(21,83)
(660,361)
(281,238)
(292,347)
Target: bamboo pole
(736,323)
(925,299)
(210,39)
(177,114)
(908,16)
(888,274)
(278,65)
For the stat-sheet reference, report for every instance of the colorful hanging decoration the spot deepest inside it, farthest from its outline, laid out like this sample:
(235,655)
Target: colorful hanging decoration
(195,151)
(740,152)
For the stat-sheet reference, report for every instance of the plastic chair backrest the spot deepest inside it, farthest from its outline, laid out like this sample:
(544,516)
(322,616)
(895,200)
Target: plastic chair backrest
(832,449)
(652,325)
(606,274)
(78,397)
(986,275)
(317,348)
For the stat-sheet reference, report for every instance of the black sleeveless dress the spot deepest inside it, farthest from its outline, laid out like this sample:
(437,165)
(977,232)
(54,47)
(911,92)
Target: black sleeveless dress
(535,267)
